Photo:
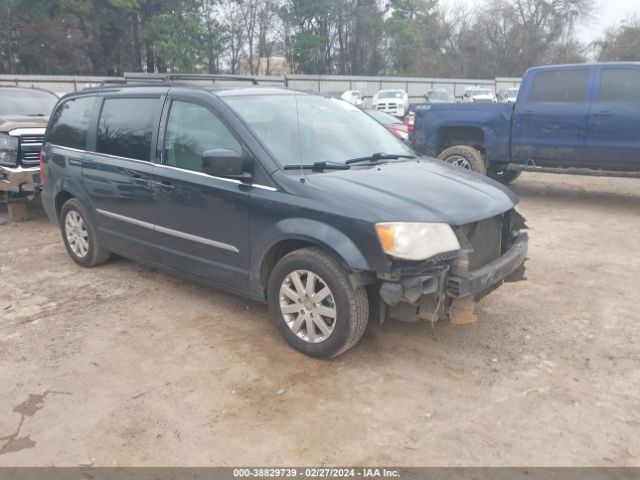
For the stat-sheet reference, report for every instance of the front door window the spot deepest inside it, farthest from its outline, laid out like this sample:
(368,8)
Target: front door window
(192,130)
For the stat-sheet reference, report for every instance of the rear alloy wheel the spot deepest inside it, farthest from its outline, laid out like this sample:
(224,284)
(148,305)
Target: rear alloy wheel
(79,236)
(315,307)
(465,157)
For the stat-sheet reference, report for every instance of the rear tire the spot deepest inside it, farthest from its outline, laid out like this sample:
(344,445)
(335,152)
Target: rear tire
(315,307)
(464,156)
(79,235)
(503,175)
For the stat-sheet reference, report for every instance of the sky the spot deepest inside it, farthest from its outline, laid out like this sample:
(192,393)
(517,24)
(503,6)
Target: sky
(606,14)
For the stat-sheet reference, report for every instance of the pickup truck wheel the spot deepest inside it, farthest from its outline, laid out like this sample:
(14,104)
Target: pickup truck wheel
(79,236)
(315,307)
(503,175)
(465,157)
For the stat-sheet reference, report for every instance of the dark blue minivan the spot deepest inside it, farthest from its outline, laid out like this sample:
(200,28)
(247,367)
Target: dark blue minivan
(298,200)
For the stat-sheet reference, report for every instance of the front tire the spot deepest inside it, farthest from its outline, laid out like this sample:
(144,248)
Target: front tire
(315,307)
(464,156)
(79,235)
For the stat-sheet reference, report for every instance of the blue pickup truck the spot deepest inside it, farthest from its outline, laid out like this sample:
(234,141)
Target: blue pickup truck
(581,119)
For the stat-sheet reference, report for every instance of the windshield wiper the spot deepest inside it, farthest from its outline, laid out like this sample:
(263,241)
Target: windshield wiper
(319,166)
(374,157)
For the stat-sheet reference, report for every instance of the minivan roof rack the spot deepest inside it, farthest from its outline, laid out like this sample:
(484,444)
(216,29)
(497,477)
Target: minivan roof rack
(171,77)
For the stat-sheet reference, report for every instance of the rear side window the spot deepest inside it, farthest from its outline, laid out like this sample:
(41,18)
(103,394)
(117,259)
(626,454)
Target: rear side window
(70,122)
(560,86)
(620,85)
(126,127)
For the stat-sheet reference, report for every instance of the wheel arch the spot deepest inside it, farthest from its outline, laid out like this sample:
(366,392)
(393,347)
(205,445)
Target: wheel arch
(66,188)
(293,234)
(469,135)
(60,199)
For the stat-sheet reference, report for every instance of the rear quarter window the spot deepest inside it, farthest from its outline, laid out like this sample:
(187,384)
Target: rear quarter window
(126,126)
(560,86)
(69,124)
(620,85)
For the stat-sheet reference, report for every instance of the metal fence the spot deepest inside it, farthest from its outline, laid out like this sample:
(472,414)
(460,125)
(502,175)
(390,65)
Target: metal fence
(368,86)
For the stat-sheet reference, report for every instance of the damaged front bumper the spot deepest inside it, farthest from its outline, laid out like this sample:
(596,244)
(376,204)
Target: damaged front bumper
(446,288)
(507,268)
(22,182)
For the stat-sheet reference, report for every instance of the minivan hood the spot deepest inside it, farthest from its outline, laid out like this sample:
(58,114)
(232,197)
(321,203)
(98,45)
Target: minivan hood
(424,190)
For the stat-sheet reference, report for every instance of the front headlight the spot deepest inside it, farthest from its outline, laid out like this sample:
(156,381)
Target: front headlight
(8,150)
(416,241)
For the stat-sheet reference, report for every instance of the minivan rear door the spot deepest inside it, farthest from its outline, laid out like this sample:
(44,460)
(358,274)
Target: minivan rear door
(117,172)
(201,221)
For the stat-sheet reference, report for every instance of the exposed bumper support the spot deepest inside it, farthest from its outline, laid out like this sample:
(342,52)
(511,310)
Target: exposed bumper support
(509,267)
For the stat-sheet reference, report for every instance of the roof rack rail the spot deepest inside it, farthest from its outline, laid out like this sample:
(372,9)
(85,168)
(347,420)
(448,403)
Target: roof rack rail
(170,77)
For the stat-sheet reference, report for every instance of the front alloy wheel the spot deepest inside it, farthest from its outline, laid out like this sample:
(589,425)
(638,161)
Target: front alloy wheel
(314,304)
(308,306)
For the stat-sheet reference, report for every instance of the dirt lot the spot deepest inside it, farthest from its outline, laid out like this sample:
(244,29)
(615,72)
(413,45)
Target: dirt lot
(123,365)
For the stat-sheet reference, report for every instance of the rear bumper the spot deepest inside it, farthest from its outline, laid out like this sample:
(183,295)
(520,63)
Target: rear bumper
(508,267)
(19,179)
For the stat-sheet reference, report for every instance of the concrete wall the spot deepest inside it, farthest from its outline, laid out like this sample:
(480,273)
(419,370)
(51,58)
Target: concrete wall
(415,87)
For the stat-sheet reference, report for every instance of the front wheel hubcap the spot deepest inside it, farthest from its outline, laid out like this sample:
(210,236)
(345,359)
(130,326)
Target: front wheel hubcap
(307,306)
(76,233)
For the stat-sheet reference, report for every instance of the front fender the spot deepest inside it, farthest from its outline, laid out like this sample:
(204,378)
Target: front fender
(312,231)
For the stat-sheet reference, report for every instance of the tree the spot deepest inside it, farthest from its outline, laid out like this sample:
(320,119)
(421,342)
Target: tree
(178,35)
(620,44)
(415,38)
(361,37)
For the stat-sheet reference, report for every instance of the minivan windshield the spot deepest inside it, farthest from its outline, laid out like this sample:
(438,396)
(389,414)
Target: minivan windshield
(314,129)
(33,103)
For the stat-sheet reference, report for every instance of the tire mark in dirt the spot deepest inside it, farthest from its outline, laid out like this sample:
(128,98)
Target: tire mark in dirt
(28,408)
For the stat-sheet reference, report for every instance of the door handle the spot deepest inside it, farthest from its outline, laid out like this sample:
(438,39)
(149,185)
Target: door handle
(166,187)
(138,180)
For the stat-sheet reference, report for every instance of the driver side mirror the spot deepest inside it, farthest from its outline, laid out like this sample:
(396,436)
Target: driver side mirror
(226,163)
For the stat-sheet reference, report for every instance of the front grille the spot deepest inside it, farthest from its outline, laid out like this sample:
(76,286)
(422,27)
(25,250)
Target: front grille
(31,157)
(485,240)
(30,146)
(31,139)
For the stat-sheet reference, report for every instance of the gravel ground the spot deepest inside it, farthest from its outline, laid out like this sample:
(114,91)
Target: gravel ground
(123,365)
